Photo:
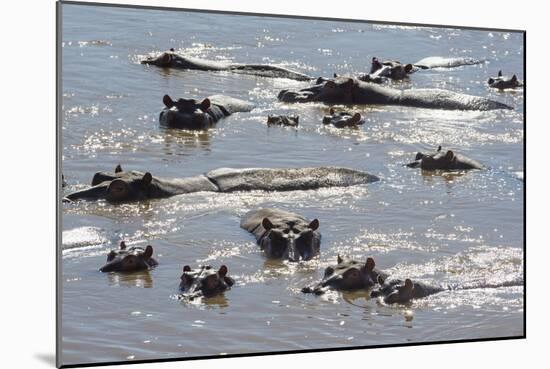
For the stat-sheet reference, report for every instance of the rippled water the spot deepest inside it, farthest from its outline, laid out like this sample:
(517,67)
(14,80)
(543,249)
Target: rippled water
(462,230)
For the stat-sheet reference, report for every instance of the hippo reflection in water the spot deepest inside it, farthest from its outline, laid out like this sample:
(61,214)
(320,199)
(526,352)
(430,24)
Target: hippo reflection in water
(170,59)
(130,259)
(122,186)
(343,119)
(282,234)
(190,114)
(504,82)
(349,275)
(444,161)
(345,90)
(204,281)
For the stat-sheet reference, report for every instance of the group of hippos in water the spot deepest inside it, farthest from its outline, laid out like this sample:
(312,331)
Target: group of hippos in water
(358,90)
(281,234)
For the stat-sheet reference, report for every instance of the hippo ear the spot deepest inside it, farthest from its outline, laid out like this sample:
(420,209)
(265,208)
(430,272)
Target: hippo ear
(335,75)
(167,100)
(266,223)
(118,169)
(418,156)
(449,155)
(331,111)
(339,259)
(147,178)
(500,73)
(172,49)
(514,78)
(122,245)
(314,224)
(439,148)
(186,268)
(370,264)
(205,104)
(222,271)
(408,68)
(148,252)
(490,81)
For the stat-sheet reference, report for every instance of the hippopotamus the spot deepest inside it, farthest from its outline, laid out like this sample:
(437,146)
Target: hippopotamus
(122,186)
(129,259)
(446,62)
(283,120)
(190,114)
(204,281)
(444,161)
(283,235)
(402,292)
(346,90)
(388,69)
(343,119)
(504,82)
(170,59)
(349,275)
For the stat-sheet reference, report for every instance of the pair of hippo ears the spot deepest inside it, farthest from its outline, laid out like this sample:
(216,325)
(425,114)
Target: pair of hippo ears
(266,223)
(168,102)
(147,253)
(222,272)
(369,264)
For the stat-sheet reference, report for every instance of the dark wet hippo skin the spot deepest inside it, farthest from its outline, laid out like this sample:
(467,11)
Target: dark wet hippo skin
(282,234)
(170,59)
(381,71)
(129,259)
(346,90)
(204,281)
(504,82)
(446,62)
(283,120)
(403,292)
(444,160)
(190,114)
(120,186)
(343,119)
(349,275)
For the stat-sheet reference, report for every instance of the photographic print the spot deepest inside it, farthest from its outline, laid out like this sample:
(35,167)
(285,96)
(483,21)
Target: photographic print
(238,184)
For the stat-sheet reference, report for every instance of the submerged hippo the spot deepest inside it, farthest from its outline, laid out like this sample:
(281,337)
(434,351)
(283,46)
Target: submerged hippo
(345,90)
(343,119)
(283,120)
(122,186)
(282,234)
(204,281)
(443,62)
(190,114)
(444,161)
(504,82)
(402,292)
(130,259)
(170,59)
(388,69)
(349,275)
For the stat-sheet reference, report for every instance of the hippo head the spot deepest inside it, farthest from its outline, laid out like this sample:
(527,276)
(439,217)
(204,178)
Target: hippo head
(401,293)
(131,259)
(337,91)
(290,241)
(347,275)
(204,281)
(163,60)
(284,120)
(343,119)
(503,82)
(375,65)
(120,186)
(186,113)
(443,160)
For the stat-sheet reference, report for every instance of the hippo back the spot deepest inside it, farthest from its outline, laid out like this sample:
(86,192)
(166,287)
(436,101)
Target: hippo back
(231,105)
(287,179)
